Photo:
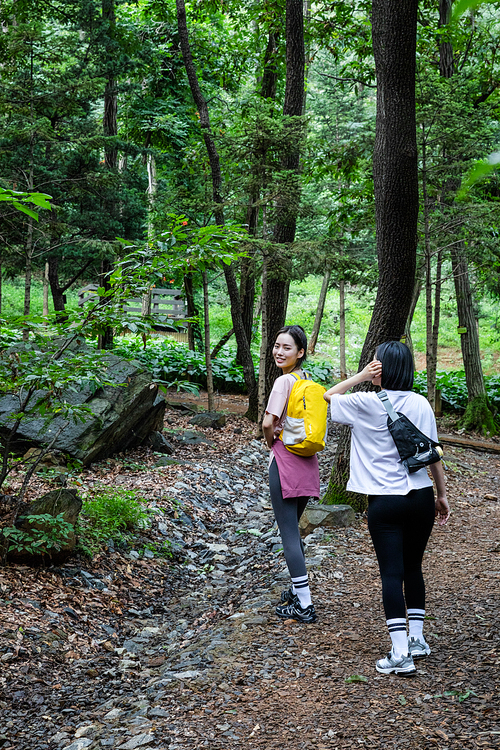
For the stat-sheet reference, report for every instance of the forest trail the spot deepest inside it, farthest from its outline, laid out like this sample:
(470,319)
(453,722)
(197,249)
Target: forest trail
(188,659)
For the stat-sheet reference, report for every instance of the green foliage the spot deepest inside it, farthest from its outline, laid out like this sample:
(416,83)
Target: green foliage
(110,514)
(18,200)
(338,495)
(174,365)
(454,389)
(36,541)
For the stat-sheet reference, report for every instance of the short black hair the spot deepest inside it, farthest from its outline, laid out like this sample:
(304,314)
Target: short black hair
(299,336)
(397,365)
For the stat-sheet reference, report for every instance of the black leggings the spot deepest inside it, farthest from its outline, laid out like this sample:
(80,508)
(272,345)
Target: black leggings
(400,526)
(287,512)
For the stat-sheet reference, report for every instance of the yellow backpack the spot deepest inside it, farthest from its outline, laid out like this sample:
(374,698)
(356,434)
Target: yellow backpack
(305,427)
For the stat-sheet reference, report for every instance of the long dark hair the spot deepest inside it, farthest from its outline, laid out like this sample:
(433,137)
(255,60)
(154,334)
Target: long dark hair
(398,367)
(299,336)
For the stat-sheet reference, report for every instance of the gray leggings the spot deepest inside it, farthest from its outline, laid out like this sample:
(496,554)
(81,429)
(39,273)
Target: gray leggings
(287,513)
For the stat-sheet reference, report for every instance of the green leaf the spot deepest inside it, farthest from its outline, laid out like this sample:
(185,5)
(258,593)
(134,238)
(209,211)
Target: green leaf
(356,678)
(25,210)
(462,6)
(402,700)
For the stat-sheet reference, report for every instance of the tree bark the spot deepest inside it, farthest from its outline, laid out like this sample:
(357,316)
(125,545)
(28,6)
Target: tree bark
(395,174)
(278,276)
(342,358)
(194,333)
(208,360)
(319,312)
(105,339)
(110,116)
(394,29)
(213,156)
(478,415)
(417,288)
(45,304)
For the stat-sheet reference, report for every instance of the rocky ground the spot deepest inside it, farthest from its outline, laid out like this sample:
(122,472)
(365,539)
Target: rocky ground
(136,650)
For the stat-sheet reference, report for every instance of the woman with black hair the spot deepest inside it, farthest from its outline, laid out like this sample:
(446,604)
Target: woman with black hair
(293,479)
(401,506)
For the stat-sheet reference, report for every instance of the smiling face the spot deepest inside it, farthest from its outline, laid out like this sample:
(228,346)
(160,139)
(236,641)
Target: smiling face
(286,353)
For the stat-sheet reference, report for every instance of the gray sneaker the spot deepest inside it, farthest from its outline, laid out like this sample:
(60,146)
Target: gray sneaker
(403,666)
(418,648)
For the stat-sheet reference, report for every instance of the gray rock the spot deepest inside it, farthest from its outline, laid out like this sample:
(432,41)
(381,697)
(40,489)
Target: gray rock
(164,461)
(138,741)
(122,416)
(159,443)
(325,515)
(190,437)
(79,744)
(212,419)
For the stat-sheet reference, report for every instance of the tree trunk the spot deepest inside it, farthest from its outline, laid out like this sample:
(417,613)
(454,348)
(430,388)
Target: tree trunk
(264,342)
(478,415)
(45,304)
(395,174)
(343,367)
(213,156)
(105,339)
(208,360)
(152,189)
(446,62)
(417,288)
(58,298)
(319,312)
(223,341)
(194,333)
(110,116)
(278,273)
(394,27)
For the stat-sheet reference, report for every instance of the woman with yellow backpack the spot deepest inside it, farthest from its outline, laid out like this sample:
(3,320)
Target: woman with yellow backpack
(294,427)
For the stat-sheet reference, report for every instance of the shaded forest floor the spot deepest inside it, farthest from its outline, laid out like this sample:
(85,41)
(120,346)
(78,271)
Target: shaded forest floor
(185,652)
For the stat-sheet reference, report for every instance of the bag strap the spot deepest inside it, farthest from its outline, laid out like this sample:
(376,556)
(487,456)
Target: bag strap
(297,376)
(388,406)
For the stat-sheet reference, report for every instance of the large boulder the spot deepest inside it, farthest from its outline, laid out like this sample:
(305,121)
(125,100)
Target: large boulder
(122,416)
(325,515)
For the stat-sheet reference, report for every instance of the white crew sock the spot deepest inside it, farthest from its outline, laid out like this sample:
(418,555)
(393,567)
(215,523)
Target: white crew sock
(397,631)
(416,623)
(301,588)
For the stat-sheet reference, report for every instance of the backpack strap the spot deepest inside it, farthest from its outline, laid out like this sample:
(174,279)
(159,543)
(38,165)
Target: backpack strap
(297,376)
(388,406)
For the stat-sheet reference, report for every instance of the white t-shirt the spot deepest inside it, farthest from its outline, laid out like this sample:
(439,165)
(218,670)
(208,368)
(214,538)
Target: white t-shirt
(376,467)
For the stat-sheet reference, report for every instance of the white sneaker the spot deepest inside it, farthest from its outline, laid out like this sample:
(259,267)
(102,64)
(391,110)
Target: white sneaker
(418,648)
(403,665)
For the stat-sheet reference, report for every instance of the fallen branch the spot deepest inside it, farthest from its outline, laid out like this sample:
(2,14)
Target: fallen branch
(475,445)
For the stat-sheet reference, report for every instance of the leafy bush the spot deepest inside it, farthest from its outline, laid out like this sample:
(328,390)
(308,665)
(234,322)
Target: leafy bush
(110,514)
(172,363)
(35,541)
(453,388)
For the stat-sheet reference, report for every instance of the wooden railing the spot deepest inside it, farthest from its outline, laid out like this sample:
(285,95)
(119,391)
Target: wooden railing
(165,303)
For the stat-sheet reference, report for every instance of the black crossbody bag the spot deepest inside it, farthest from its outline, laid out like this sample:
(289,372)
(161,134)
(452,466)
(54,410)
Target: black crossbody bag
(415,449)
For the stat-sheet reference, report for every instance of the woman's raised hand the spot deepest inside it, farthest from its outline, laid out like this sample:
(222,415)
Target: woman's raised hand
(372,370)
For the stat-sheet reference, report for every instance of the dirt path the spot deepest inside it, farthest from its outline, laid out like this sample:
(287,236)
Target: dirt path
(192,656)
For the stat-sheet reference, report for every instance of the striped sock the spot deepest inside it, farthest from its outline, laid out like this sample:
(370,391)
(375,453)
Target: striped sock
(301,588)
(397,631)
(416,623)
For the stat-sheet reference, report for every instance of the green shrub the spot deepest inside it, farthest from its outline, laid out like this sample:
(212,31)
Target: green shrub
(36,541)
(453,388)
(109,515)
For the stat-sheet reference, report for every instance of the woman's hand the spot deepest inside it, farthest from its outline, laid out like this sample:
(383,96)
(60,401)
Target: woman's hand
(268,425)
(442,512)
(372,370)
